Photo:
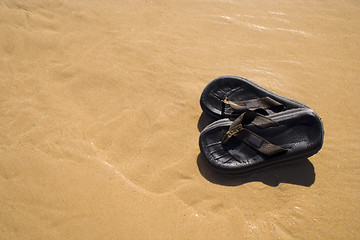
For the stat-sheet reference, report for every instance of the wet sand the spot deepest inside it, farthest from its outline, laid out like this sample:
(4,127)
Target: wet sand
(100,118)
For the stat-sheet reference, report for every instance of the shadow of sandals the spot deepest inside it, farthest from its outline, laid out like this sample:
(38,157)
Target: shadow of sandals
(299,172)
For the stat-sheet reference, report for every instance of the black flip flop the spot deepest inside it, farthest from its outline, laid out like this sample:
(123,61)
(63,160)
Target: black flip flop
(254,141)
(229,96)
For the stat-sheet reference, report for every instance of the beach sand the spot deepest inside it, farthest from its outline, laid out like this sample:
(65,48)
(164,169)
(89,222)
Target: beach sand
(100,118)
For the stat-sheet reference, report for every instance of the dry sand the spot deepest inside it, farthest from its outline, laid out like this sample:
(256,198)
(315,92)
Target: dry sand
(100,118)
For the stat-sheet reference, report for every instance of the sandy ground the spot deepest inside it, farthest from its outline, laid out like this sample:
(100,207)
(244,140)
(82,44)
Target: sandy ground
(100,118)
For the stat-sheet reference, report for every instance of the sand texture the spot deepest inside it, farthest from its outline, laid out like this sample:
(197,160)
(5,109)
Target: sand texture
(100,118)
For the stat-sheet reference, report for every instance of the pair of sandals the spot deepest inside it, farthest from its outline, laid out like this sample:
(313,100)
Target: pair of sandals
(256,128)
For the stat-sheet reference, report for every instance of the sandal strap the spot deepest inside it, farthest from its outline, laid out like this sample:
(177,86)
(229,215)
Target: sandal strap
(251,104)
(252,139)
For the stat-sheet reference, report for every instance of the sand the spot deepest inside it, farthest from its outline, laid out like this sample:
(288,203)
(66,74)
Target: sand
(100,118)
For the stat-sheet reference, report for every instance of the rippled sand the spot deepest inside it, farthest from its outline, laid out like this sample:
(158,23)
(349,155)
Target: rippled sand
(100,118)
